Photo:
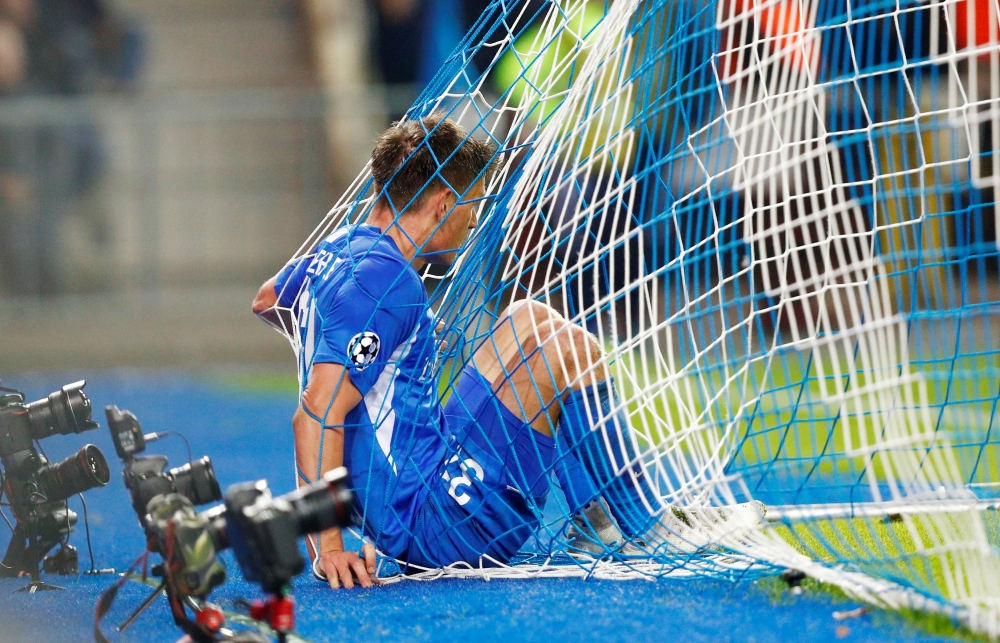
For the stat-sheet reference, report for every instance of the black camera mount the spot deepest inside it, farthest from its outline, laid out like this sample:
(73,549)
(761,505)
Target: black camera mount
(37,489)
(147,476)
(262,531)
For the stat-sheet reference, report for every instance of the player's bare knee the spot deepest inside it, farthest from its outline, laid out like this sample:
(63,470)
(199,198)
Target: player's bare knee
(551,347)
(585,357)
(516,308)
(528,312)
(591,344)
(567,352)
(576,339)
(550,336)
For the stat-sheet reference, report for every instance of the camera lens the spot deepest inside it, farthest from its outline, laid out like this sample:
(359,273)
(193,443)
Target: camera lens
(196,481)
(65,411)
(83,470)
(324,504)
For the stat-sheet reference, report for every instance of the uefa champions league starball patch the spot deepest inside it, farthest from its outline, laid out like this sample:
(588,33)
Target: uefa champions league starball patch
(363,349)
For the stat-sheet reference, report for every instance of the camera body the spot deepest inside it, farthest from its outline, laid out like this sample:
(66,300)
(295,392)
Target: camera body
(64,411)
(263,532)
(37,489)
(45,483)
(189,543)
(148,476)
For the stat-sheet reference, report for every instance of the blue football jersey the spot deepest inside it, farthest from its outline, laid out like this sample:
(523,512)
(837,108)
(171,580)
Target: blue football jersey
(359,303)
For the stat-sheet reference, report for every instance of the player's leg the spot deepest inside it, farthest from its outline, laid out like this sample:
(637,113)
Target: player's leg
(554,375)
(531,356)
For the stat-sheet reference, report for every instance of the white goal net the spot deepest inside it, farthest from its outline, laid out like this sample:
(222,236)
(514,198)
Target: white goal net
(777,216)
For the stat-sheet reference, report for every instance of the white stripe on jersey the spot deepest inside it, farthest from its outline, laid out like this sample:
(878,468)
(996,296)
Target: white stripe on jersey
(383,391)
(306,347)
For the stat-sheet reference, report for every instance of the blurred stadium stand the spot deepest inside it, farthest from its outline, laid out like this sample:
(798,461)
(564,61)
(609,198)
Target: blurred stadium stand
(246,120)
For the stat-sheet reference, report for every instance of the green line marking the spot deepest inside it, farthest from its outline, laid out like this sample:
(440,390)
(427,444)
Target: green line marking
(928,623)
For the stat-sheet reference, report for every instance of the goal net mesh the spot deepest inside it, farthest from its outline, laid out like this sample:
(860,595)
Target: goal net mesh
(777,217)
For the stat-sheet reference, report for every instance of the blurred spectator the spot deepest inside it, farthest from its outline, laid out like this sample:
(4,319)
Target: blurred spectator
(17,12)
(397,40)
(12,56)
(16,189)
(121,45)
(412,39)
(62,47)
(59,48)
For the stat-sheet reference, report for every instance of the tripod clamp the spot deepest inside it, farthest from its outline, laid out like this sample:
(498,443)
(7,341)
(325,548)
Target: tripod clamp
(278,611)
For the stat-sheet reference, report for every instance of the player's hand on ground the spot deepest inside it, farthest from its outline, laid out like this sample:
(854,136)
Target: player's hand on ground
(342,567)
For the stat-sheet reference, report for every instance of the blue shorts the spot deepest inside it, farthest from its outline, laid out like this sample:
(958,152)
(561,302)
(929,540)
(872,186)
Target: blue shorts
(486,497)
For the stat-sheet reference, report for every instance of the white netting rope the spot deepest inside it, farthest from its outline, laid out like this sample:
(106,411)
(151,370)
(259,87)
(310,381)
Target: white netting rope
(690,379)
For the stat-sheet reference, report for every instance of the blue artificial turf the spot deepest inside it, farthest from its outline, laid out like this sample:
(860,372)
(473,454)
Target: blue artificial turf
(247,434)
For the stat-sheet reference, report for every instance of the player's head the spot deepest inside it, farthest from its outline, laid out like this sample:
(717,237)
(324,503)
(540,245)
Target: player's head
(432,170)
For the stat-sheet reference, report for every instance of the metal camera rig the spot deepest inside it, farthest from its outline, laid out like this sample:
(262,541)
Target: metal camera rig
(262,530)
(37,489)
(147,476)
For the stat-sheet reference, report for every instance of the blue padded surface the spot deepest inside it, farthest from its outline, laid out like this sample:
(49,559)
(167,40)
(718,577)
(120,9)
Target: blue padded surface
(247,434)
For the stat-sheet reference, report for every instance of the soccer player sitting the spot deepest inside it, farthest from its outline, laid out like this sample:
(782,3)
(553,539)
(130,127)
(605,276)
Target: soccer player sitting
(465,482)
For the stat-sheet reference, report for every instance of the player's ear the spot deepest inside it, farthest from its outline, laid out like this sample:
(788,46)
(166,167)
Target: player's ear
(442,204)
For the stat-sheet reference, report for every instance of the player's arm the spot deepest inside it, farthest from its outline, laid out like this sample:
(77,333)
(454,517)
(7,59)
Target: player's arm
(363,322)
(328,397)
(278,293)
(263,303)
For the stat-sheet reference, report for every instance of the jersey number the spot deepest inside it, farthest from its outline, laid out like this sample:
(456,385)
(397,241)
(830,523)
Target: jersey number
(468,466)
